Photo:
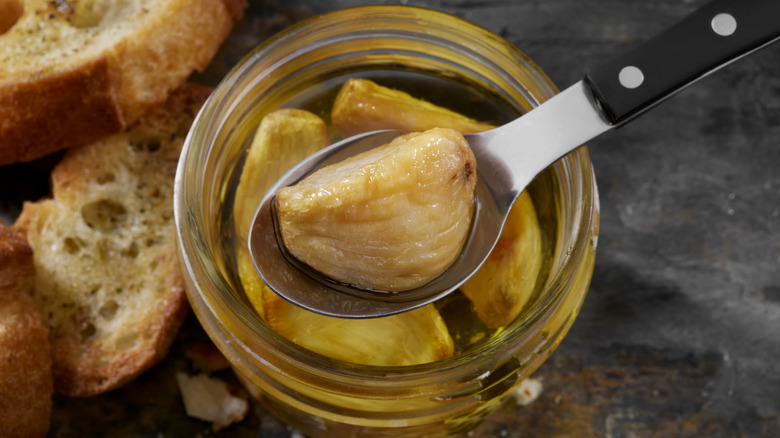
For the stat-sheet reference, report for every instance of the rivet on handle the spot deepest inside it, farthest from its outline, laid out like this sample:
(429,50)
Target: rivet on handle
(631,77)
(724,24)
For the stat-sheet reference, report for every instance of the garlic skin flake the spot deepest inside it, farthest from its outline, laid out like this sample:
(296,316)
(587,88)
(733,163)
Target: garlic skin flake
(209,399)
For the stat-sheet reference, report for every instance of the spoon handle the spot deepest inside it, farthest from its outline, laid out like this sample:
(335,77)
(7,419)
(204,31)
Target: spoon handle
(711,37)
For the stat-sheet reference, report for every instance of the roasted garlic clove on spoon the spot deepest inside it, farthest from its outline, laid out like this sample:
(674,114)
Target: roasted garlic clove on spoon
(504,285)
(390,219)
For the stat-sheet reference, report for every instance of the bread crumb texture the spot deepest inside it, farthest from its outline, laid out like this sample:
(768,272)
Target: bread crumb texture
(104,246)
(72,71)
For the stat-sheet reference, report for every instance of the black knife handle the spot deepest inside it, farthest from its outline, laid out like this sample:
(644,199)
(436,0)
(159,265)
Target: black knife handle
(702,42)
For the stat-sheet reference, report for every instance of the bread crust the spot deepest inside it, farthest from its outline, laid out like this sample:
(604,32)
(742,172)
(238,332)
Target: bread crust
(25,357)
(110,288)
(98,78)
(43,116)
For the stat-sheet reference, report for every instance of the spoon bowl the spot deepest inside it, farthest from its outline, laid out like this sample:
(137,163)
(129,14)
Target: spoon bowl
(284,276)
(505,167)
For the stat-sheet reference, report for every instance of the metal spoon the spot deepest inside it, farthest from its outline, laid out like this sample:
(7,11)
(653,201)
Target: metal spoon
(511,156)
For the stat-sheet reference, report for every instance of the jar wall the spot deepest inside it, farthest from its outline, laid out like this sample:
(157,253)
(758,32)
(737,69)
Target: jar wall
(323,397)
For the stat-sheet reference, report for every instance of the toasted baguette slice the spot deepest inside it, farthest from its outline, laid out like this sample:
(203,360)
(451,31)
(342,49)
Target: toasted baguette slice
(25,355)
(73,72)
(107,276)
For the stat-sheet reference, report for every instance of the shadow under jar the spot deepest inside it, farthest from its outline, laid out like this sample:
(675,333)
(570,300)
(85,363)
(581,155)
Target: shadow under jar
(444,60)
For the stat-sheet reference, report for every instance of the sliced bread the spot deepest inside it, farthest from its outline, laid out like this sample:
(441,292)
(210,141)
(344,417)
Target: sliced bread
(72,72)
(107,276)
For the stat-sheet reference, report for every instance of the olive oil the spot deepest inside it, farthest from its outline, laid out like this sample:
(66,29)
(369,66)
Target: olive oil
(465,325)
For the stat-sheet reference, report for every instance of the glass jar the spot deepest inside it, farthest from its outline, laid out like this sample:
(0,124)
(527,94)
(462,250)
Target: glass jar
(317,395)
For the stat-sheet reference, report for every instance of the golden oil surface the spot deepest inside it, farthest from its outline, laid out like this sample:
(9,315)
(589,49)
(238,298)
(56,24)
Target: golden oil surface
(458,312)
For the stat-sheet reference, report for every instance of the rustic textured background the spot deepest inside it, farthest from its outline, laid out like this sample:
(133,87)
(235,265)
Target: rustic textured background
(680,333)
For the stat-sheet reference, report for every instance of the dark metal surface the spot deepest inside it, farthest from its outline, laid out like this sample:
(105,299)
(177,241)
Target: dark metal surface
(680,333)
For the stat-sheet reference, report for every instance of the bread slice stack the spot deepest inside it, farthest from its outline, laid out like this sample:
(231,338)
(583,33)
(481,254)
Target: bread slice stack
(72,72)
(107,277)
(103,79)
